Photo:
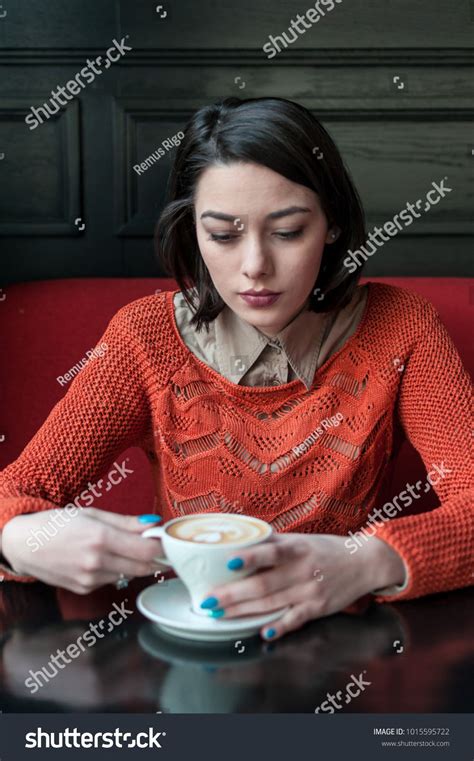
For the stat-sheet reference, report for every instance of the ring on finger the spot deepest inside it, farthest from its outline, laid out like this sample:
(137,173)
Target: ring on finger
(122,582)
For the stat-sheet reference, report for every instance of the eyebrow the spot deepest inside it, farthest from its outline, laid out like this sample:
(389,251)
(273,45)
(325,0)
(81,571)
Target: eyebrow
(273,215)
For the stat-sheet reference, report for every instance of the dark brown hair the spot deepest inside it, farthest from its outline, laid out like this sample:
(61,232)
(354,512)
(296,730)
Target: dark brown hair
(285,137)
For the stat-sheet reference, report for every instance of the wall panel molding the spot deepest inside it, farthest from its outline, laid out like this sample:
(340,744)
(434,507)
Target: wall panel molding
(329,57)
(40,193)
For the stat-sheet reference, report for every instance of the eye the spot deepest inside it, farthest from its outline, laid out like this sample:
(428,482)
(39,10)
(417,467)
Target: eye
(222,237)
(289,234)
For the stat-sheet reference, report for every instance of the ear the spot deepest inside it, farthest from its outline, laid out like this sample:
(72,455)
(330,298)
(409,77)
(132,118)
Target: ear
(333,234)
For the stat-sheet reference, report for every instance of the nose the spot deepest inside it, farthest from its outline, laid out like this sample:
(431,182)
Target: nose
(256,260)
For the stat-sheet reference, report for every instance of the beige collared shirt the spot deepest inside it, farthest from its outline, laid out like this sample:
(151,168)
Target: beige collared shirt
(246,356)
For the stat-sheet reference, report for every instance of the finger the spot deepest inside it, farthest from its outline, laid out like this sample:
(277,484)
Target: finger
(294,594)
(113,567)
(296,617)
(256,587)
(289,596)
(115,541)
(276,551)
(85,584)
(125,522)
(116,564)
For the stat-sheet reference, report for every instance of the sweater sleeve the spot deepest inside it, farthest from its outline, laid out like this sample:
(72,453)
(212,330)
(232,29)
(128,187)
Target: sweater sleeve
(104,411)
(435,409)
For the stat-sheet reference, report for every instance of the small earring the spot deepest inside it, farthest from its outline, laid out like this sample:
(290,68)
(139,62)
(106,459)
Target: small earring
(333,236)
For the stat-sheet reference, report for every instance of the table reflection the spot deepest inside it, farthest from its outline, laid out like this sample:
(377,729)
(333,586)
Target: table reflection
(415,655)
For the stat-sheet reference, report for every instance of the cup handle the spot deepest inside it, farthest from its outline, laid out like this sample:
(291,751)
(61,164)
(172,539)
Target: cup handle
(157,531)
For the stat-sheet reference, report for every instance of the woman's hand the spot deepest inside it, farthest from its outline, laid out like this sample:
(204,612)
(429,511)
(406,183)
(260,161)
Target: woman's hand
(315,574)
(90,549)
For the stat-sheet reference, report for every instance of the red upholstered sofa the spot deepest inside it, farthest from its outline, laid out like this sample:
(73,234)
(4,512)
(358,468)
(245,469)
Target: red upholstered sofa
(46,327)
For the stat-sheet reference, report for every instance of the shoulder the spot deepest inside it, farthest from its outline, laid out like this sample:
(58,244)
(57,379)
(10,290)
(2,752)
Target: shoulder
(144,327)
(394,308)
(141,314)
(396,321)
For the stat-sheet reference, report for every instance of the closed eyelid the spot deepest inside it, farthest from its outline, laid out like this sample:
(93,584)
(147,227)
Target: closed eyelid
(296,232)
(292,229)
(231,228)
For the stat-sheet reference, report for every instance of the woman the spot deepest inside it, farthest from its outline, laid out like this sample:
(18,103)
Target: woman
(281,407)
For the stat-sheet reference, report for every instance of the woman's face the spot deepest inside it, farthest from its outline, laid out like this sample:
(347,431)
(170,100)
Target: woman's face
(256,230)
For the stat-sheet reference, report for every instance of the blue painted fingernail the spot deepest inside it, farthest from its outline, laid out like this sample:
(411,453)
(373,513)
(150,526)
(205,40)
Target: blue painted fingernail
(270,633)
(210,602)
(148,518)
(235,564)
(216,613)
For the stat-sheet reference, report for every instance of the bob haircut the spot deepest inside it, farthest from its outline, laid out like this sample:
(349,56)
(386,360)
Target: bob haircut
(276,133)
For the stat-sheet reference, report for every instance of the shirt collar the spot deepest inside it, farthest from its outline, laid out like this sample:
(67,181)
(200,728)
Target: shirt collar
(240,344)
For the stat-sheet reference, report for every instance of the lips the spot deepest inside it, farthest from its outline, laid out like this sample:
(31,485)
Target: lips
(259,301)
(264,292)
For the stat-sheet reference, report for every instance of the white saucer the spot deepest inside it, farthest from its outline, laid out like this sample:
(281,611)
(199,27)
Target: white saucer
(168,605)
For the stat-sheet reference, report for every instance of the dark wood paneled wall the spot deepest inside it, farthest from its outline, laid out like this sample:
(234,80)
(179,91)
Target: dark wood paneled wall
(78,165)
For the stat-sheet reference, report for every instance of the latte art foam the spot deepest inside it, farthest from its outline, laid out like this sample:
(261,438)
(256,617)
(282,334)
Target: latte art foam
(216,530)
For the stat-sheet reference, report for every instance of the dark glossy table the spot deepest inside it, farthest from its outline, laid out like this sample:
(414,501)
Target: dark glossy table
(417,655)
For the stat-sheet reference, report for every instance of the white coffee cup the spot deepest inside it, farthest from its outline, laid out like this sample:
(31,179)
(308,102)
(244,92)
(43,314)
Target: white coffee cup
(200,560)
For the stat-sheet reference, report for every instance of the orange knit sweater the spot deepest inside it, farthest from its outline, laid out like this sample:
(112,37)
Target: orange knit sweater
(269,451)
